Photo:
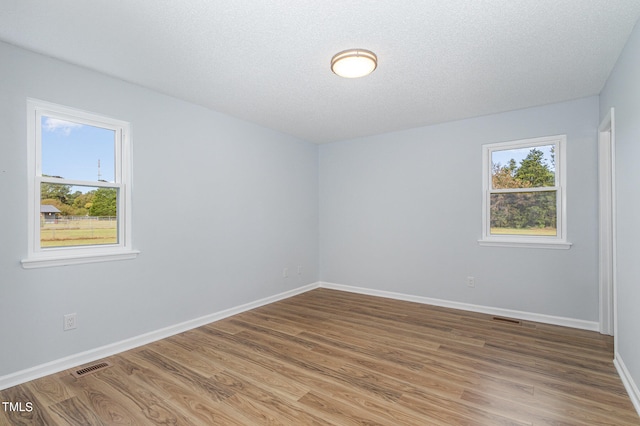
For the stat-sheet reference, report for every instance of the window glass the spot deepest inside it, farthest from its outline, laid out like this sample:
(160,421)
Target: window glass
(77,151)
(516,211)
(529,167)
(86,215)
(524,213)
(77,215)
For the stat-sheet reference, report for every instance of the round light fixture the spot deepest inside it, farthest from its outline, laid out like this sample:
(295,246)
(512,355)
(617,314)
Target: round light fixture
(354,63)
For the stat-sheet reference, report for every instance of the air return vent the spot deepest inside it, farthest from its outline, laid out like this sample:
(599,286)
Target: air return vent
(507,320)
(91,369)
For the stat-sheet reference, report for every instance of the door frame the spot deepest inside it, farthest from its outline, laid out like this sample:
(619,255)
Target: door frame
(607,225)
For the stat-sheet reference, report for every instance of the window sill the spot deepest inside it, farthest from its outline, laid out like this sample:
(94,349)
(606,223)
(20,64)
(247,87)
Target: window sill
(541,244)
(65,260)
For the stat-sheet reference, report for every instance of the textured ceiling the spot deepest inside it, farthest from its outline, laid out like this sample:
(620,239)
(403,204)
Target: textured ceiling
(268,61)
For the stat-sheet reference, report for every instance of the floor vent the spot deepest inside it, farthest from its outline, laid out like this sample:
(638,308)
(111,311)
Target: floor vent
(90,369)
(507,320)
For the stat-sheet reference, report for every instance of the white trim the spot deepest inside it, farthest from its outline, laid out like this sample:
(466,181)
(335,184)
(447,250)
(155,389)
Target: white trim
(73,182)
(527,316)
(627,381)
(606,225)
(91,355)
(527,241)
(497,242)
(93,257)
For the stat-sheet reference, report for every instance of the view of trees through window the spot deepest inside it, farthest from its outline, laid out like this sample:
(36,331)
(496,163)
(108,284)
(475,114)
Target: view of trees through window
(83,218)
(77,214)
(523,191)
(92,202)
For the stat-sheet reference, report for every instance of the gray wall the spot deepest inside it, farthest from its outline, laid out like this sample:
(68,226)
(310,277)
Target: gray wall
(401,212)
(238,202)
(398,212)
(622,92)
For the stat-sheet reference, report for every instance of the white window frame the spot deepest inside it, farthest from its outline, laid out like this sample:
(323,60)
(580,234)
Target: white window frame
(559,241)
(38,256)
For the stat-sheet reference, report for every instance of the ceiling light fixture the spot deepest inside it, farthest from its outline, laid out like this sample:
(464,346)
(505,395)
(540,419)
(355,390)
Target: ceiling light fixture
(354,63)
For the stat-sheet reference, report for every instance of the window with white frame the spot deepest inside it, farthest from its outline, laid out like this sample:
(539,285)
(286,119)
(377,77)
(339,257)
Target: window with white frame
(79,186)
(524,194)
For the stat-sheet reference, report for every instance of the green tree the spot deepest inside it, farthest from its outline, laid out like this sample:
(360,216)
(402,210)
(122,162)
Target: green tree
(71,198)
(55,191)
(535,170)
(504,177)
(82,203)
(104,202)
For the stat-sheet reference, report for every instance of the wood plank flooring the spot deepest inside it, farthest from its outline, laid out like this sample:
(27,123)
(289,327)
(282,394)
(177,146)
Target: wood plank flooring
(333,358)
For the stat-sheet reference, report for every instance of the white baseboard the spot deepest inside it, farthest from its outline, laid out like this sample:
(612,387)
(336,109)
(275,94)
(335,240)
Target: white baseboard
(527,316)
(91,355)
(134,342)
(627,381)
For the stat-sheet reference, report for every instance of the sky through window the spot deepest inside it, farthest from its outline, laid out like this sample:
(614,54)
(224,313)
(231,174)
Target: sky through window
(72,151)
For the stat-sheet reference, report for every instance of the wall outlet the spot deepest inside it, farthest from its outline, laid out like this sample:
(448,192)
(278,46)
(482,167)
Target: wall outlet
(471,282)
(285,272)
(299,269)
(69,322)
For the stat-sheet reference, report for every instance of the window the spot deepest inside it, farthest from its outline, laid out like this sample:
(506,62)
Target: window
(79,187)
(524,193)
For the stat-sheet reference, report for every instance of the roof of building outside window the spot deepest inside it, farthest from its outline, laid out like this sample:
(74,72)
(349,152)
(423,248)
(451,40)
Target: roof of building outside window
(45,208)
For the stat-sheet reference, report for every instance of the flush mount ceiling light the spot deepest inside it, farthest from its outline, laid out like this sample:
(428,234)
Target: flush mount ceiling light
(354,63)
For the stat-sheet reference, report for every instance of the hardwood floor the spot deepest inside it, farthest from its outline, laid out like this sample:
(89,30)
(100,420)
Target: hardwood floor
(333,358)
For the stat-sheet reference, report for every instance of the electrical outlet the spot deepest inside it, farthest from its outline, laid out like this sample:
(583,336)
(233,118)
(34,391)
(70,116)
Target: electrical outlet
(285,272)
(69,322)
(471,282)
(299,269)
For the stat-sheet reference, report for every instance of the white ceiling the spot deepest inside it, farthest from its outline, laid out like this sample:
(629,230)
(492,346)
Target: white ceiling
(267,61)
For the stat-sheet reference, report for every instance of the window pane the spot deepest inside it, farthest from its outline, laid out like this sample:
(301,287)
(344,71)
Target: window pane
(77,215)
(529,167)
(77,151)
(524,213)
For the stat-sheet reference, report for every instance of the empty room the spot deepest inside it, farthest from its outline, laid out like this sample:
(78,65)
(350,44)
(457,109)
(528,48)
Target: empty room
(325,212)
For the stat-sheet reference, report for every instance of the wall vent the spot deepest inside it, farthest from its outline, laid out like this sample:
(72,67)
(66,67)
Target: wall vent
(90,369)
(507,320)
